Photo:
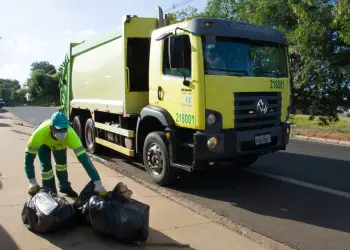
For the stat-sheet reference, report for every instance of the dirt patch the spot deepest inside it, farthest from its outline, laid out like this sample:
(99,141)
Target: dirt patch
(22,124)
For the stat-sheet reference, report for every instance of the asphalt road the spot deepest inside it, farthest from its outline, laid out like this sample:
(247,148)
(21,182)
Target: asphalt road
(32,115)
(298,216)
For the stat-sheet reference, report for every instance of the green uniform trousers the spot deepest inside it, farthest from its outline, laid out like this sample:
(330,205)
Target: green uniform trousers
(47,174)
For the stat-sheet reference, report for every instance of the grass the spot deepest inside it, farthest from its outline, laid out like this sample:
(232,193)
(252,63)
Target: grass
(335,130)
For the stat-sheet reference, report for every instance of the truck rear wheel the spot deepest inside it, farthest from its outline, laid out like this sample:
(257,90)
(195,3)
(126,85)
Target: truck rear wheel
(156,158)
(78,128)
(90,136)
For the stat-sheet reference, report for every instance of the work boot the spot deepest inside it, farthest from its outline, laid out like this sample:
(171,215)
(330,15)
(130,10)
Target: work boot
(69,192)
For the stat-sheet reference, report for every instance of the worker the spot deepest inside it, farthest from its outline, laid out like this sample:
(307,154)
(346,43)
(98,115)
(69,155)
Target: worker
(54,135)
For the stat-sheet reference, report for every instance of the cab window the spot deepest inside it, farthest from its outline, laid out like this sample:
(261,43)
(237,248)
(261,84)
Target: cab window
(182,56)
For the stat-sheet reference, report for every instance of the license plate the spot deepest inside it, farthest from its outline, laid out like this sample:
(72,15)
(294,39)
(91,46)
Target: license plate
(262,139)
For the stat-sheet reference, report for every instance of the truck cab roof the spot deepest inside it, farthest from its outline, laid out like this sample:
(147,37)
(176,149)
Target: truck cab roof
(230,28)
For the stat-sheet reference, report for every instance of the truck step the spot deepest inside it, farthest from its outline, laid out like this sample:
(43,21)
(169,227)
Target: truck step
(182,166)
(187,145)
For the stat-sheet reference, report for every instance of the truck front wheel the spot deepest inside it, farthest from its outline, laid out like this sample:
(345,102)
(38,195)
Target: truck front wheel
(156,158)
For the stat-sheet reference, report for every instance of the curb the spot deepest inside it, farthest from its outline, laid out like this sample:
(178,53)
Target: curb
(321,140)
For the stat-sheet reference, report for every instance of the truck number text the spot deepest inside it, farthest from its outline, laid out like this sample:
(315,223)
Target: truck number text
(276,84)
(184,118)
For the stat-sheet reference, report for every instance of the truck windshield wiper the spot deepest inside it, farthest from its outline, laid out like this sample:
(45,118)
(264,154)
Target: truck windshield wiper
(241,72)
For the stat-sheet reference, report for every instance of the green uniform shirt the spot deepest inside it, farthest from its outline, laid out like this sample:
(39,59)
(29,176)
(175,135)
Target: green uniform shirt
(42,136)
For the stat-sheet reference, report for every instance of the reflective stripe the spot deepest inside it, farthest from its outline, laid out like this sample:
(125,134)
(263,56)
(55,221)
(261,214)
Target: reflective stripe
(79,151)
(32,150)
(47,175)
(61,167)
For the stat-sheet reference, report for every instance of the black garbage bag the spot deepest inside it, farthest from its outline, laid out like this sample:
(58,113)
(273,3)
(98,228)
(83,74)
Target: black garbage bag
(81,204)
(47,212)
(116,215)
(125,221)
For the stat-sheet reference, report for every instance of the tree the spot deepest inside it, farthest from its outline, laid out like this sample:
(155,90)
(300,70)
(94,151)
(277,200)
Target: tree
(342,20)
(319,45)
(11,92)
(187,12)
(45,66)
(43,84)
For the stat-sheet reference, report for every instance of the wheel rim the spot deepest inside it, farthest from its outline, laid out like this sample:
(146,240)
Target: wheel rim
(155,159)
(90,139)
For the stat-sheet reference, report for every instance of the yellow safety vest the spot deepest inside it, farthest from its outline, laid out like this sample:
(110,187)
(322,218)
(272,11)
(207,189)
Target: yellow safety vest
(42,136)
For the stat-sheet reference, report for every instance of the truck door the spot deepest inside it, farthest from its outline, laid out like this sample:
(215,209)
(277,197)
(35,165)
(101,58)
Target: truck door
(175,90)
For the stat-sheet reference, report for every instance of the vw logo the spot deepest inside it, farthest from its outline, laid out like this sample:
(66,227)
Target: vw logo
(262,106)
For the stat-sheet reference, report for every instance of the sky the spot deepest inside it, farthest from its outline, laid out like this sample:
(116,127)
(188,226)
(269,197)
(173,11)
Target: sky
(41,30)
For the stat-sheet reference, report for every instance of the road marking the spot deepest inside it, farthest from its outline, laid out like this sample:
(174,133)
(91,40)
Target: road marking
(301,183)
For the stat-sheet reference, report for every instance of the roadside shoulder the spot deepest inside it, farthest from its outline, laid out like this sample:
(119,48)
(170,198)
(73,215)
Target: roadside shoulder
(321,140)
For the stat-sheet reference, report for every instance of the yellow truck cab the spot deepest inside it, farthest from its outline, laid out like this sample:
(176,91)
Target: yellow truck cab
(180,94)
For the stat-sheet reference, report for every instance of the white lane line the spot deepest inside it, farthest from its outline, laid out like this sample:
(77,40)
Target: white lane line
(301,183)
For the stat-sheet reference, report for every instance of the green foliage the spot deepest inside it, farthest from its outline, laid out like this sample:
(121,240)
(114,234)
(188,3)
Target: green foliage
(303,122)
(342,20)
(319,35)
(43,84)
(44,66)
(11,92)
(187,12)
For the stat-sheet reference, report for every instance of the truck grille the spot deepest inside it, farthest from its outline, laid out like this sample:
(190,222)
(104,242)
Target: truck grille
(247,115)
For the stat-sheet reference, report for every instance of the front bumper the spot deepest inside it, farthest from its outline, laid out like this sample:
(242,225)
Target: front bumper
(240,143)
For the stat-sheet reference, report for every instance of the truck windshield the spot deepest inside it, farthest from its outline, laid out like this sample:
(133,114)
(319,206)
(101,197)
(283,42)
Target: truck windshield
(231,56)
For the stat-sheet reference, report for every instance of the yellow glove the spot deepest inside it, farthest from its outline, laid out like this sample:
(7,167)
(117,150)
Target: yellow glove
(102,194)
(99,189)
(33,187)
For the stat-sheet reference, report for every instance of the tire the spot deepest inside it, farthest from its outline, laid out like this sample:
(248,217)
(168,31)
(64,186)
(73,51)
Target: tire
(90,137)
(245,162)
(78,128)
(156,142)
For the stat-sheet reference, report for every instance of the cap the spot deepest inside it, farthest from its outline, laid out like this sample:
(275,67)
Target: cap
(59,120)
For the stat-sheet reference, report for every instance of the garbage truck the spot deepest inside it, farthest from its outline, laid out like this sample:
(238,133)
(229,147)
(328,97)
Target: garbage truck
(180,95)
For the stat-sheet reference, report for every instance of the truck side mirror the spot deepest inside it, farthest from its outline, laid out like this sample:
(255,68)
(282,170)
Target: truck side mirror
(176,52)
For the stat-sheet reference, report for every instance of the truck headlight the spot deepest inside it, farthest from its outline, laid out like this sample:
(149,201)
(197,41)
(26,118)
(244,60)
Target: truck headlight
(211,119)
(212,142)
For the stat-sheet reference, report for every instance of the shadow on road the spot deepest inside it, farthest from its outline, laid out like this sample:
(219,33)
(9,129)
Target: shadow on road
(6,240)
(83,237)
(3,125)
(21,132)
